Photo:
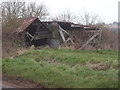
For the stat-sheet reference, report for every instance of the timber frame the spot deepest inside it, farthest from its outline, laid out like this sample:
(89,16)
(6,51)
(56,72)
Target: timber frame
(67,33)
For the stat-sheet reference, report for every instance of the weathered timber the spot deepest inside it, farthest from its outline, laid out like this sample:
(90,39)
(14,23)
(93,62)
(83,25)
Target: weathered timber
(89,40)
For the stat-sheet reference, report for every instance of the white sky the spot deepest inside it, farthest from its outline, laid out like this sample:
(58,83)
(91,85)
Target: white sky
(106,9)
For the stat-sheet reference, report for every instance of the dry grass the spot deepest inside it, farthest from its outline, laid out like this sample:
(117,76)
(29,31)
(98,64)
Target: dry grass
(109,39)
(10,41)
(99,66)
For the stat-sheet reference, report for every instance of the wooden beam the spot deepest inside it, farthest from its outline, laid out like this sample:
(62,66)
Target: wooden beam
(61,30)
(69,39)
(63,37)
(89,40)
(30,35)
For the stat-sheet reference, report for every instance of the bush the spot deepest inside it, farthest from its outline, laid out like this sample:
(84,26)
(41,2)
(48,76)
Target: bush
(11,42)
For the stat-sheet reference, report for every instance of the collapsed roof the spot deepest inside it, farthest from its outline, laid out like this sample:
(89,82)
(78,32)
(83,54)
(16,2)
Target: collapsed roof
(65,25)
(25,24)
(56,32)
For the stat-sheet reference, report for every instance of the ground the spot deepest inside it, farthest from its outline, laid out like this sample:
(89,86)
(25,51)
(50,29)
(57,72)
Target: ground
(65,68)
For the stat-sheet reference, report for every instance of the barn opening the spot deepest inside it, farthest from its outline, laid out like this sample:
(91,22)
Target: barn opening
(29,28)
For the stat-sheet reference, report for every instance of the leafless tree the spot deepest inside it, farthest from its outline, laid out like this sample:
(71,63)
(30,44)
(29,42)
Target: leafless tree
(11,10)
(17,9)
(33,10)
(88,18)
(66,16)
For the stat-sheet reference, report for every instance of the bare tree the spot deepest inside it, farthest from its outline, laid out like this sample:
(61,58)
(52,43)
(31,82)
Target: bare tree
(11,10)
(15,9)
(88,18)
(66,17)
(33,10)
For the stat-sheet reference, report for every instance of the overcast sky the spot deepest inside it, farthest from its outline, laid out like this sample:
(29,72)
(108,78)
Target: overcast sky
(106,9)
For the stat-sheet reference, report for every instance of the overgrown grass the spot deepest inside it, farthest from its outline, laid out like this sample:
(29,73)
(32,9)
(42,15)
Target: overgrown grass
(64,68)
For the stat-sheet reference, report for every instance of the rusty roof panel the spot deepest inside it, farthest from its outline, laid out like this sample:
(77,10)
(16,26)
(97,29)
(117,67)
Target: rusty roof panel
(26,22)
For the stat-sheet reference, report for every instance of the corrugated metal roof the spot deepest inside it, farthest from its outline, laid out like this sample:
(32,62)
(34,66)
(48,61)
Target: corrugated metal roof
(26,22)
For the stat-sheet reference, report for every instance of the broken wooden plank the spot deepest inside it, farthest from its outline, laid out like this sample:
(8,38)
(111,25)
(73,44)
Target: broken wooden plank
(63,37)
(89,40)
(69,39)
(32,37)
(61,30)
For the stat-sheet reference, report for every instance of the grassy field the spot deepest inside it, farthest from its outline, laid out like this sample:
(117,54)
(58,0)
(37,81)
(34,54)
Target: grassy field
(66,68)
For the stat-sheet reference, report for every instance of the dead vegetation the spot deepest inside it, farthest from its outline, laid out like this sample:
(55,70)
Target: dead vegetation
(98,66)
(109,39)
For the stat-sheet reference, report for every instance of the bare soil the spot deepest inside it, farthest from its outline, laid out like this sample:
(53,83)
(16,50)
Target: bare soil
(16,82)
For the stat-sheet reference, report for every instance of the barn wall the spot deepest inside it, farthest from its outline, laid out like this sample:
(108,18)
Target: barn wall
(81,36)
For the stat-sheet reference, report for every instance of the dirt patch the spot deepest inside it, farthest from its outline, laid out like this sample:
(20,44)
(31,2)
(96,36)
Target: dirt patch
(46,60)
(98,66)
(18,52)
(94,62)
(19,82)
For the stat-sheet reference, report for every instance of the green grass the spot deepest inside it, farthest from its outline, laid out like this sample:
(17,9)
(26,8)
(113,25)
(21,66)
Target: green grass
(64,68)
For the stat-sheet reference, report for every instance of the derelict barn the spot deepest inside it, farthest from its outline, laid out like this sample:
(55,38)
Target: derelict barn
(57,33)
(83,35)
(34,31)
